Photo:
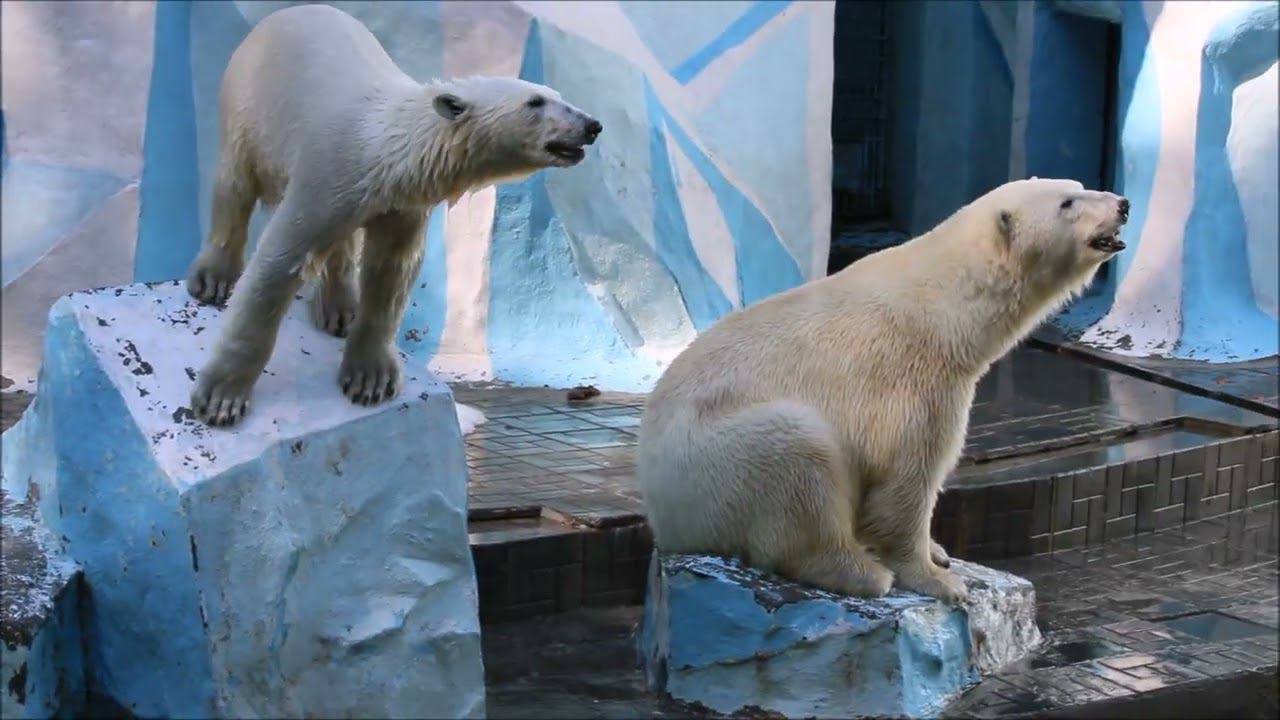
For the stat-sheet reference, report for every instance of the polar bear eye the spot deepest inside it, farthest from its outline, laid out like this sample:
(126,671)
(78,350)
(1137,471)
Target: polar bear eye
(536,101)
(1065,204)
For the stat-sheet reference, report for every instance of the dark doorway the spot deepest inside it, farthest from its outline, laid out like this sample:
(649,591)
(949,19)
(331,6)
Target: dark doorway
(1104,281)
(860,209)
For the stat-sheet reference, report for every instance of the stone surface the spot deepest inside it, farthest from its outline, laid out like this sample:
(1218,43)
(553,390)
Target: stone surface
(313,560)
(731,637)
(41,663)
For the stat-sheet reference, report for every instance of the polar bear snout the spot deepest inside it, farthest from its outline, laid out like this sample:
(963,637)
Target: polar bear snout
(1108,239)
(578,130)
(591,128)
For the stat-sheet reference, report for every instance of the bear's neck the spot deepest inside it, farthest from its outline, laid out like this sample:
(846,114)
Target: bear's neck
(983,307)
(422,158)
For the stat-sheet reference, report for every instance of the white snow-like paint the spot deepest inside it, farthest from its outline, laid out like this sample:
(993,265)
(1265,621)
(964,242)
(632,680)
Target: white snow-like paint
(1148,303)
(468,236)
(153,341)
(821,78)
(1252,149)
(469,418)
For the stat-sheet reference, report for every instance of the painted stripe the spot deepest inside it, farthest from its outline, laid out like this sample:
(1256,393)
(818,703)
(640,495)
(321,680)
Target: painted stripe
(704,89)
(169,231)
(732,36)
(712,241)
(702,296)
(765,266)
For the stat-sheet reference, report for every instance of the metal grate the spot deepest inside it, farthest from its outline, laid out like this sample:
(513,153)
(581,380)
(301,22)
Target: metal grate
(859,113)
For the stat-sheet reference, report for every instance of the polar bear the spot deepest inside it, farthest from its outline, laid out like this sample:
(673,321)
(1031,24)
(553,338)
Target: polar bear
(810,434)
(317,120)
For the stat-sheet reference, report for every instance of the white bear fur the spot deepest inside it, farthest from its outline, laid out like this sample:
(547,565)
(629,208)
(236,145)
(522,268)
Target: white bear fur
(317,120)
(803,431)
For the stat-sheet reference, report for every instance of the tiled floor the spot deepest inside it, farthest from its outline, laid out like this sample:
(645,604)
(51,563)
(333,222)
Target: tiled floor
(1174,608)
(539,449)
(1163,623)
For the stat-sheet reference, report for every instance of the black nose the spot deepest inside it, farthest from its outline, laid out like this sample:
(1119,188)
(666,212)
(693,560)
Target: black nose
(1124,208)
(593,129)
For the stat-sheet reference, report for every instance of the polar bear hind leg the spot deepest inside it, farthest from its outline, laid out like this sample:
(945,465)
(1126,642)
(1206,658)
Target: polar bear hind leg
(336,297)
(777,474)
(390,259)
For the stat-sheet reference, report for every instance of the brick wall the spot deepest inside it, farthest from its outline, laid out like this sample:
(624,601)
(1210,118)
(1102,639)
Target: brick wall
(1093,506)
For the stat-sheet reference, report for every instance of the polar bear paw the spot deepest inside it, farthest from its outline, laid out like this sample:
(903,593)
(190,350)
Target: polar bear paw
(938,555)
(333,308)
(845,573)
(370,375)
(934,582)
(213,275)
(221,399)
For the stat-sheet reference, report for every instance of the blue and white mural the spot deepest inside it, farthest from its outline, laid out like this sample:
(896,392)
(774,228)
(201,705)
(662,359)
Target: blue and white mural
(709,188)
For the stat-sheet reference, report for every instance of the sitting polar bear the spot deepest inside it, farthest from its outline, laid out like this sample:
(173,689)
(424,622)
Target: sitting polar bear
(820,423)
(317,120)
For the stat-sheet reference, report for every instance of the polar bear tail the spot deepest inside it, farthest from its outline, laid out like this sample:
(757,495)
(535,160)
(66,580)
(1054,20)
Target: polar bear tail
(766,483)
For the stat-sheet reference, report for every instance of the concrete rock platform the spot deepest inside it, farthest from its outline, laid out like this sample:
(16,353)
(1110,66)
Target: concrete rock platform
(41,652)
(730,637)
(312,560)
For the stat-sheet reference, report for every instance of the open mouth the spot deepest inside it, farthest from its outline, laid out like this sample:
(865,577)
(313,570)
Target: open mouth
(1107,243)
(566,152)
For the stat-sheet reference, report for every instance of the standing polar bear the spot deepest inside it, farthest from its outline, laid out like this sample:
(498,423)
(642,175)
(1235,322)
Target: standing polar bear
(820,423)
(317,120)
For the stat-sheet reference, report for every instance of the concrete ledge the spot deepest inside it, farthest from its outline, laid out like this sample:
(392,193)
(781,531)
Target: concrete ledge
(731,637)
(41,660)
(311,561)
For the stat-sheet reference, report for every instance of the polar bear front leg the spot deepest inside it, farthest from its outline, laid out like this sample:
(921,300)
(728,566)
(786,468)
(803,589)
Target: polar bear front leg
(221,260)
(390,260)
(895,516)
(252,321)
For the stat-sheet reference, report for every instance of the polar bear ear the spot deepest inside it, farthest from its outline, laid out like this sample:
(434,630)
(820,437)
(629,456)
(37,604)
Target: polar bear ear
(449,106)
(1005,227)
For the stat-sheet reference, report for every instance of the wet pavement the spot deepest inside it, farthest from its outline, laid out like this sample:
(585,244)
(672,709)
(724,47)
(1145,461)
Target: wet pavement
(1181,623)
(1035,414)
(1253,385)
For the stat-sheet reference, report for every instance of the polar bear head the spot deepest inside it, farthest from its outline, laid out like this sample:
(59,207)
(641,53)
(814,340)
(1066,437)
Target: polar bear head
(507,127)
(1056,231)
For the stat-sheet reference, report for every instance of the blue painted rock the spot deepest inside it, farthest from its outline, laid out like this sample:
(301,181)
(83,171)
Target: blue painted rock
(41,665)
(311,561)
(731,637)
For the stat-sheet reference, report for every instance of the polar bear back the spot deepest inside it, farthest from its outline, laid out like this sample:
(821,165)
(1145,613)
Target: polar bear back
(272,79)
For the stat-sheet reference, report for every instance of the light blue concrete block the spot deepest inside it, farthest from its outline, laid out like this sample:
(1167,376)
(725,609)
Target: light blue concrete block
(312,561)
(729,637)
(41,663)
